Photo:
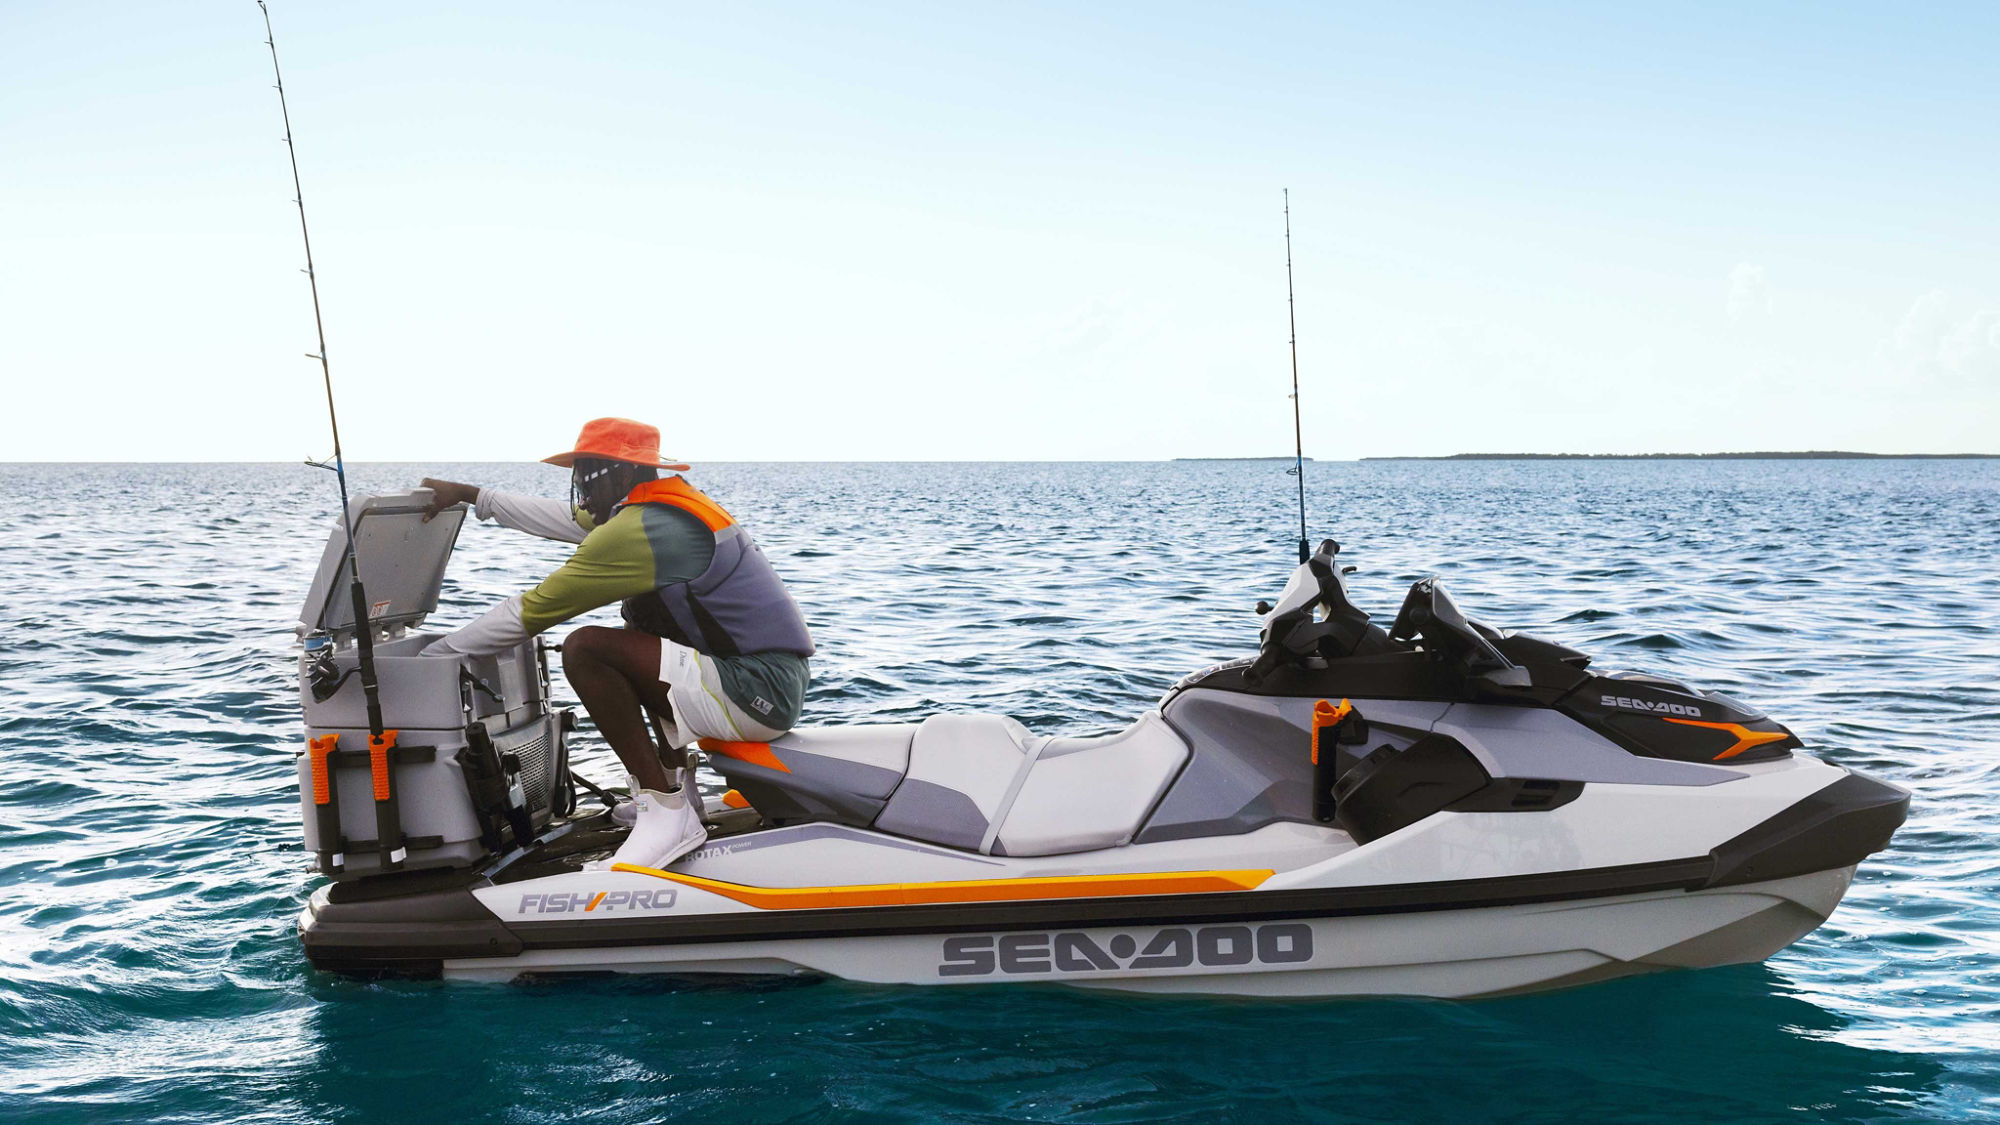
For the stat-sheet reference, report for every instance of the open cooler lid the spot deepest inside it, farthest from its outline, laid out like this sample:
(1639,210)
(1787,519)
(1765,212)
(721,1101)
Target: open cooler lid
(402,562)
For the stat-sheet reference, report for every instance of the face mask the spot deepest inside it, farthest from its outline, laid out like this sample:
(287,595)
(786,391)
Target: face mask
(586,481)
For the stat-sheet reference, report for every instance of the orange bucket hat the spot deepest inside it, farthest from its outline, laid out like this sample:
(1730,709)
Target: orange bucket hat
(617,439)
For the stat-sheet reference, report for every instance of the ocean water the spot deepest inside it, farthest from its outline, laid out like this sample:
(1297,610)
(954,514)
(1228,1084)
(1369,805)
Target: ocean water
(151,869)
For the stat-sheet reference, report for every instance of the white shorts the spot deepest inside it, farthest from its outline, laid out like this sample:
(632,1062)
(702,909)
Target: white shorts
(701,708)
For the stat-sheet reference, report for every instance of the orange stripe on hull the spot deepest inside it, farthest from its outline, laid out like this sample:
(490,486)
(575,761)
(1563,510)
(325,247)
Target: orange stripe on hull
(975,890)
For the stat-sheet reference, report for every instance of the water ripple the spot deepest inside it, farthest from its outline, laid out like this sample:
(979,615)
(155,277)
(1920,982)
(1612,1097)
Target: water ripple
(150,863)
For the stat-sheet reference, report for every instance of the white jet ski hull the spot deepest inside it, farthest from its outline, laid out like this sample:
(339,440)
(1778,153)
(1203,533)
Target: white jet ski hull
(1288,910)
(1454,954)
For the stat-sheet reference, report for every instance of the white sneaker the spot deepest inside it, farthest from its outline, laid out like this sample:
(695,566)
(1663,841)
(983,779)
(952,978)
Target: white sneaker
(668,827)
(625,813)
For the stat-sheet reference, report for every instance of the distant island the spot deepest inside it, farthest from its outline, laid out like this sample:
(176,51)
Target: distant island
(1286,457)
(1808,455)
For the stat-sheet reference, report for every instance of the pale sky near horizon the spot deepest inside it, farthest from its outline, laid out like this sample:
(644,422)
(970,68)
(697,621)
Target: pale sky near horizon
(924,231)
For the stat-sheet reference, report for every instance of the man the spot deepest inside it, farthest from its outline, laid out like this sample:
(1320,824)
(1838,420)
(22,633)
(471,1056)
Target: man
(713,643)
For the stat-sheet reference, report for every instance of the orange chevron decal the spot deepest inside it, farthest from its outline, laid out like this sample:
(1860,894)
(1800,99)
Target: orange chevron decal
(974,890)
(1745,738)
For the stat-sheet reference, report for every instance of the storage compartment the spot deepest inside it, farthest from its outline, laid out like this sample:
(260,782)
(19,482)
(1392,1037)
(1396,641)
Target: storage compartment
(475,761)
(1392,789)
(425,692)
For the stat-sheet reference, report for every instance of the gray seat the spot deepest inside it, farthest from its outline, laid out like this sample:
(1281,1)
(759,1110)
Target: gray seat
(839,774)
(1081,794)
(977,782)
(962,774)
(982,782)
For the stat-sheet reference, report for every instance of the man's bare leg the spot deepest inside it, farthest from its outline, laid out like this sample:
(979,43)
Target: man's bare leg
(615,672)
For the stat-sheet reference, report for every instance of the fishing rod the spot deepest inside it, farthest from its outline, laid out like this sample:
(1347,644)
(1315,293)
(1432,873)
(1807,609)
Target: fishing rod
(1298,438)
(363,631)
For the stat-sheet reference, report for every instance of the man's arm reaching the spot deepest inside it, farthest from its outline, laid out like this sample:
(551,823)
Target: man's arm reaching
(536,515)
(496,630)
(614,563)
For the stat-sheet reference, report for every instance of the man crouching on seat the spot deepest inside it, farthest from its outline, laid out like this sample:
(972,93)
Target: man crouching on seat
(712,644)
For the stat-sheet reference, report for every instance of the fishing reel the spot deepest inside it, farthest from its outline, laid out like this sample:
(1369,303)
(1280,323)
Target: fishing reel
(322,674)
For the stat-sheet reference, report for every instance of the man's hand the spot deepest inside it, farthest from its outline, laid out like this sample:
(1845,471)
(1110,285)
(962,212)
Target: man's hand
(447,493)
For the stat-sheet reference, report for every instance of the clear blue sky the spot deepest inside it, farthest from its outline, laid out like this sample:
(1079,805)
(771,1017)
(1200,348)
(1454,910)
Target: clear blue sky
(863,231)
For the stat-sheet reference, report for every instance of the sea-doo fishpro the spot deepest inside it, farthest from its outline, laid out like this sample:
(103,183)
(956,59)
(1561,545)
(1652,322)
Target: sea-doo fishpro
(1438,809)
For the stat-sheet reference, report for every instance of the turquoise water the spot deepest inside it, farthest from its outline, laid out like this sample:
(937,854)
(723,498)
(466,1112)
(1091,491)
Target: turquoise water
(150,865)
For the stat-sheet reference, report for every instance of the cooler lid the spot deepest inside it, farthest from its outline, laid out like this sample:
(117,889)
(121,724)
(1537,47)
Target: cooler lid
(402,562)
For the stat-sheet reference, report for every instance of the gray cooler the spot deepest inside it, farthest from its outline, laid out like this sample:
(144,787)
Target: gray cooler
(477,762)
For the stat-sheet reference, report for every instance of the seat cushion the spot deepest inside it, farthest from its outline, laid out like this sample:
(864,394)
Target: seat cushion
(1082,794)
(868,760)
(962,768)
(839,774)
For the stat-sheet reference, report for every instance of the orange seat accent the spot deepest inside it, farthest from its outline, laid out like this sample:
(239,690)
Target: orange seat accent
(682,495)
(756,753)
(975,890)
(735,800)
(317,748)
(1325,717)
(379,746)
(1745,738)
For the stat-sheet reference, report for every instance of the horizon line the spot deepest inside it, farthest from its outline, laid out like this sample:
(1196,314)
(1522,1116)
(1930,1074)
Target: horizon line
(1756,455)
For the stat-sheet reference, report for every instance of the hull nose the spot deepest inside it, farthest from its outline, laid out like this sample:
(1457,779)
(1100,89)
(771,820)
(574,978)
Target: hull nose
(1837,827)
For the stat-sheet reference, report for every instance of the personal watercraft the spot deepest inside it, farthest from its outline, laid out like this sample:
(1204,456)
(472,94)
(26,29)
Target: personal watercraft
(1439,808)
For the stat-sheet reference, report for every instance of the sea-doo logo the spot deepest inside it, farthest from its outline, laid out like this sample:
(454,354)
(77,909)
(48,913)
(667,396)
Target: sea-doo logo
(603,901)
(1281,943)
(1630,704)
